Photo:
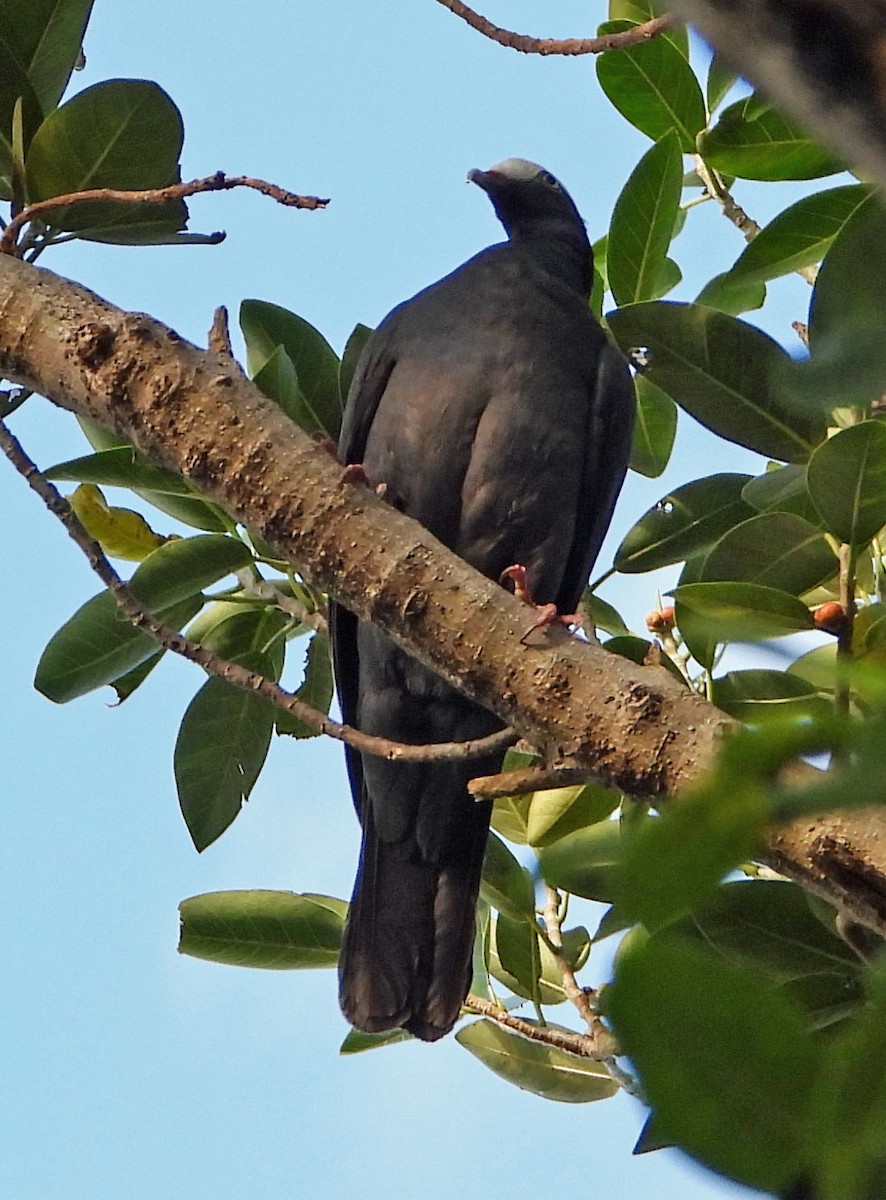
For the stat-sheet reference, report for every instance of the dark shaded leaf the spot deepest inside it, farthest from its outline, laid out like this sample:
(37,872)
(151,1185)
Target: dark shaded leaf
(721,78)
(360,335)
(505,885)
(267,327)
(602,614)
(279,931)
(721,371)
(682,523)
(121,467)
(654,429)
(221,747)
(643,223)
(644,653)
(847,482)
(250,635)
(759,143)
(357,1041)
(709,614)
(123,133)
(717,1050)
(783,490)
(14,86)
(316,689)
(775,549)
(653,87)
(534,1067)
(44,38)
(754,695)
(732,296)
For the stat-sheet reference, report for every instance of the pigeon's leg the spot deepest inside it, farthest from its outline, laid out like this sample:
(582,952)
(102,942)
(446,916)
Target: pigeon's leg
(546,614)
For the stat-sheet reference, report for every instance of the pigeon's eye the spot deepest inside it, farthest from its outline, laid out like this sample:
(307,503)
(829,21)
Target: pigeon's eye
(548,178)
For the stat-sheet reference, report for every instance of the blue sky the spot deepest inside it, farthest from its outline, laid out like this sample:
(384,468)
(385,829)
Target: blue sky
(132,1071)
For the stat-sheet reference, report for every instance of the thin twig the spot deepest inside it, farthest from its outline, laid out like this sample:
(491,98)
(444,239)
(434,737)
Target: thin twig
(569,46)
(571,986)
(219,182)
(528,779)
(249,681)
(264,589)
(733,211)
(582,1044)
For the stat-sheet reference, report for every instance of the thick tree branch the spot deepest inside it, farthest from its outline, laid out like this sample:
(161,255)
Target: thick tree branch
(636,728)
(822,61)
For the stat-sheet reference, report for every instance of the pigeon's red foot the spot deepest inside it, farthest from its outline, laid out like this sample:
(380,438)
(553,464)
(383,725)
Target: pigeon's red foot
(354,473)
(546,614)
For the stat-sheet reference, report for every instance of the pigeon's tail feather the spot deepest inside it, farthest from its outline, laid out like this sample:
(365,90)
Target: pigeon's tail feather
(407,948)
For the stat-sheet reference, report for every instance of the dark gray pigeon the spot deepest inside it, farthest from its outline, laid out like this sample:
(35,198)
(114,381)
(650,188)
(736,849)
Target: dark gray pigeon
(495,412)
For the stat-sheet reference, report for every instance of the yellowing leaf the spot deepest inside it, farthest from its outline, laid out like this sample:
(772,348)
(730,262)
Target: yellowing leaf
(120,532)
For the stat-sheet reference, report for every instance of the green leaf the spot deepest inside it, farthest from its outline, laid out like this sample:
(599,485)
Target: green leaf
(847,482)
(717,1050)
(16,96)
(721,78)
(316,689)
(279,931)
(510,814)
(357,1041)
(354,347)
(123,133)
(554,813)
(120,467)
(760,143)
(709,614)
(514,957)
(186,566)
(754,695)
(602,614)
(775,549)
(732,296)
(252,635)
(221,747)
(584,862)
(266,327)
(653,87)
(800,236)
(543,1070)
(683,522)
(721,371)
(99,645)
(126,684)
(643,223)
(642,652)
(504,884)
(783,490)
(641,11)
(600,285)
(44,37)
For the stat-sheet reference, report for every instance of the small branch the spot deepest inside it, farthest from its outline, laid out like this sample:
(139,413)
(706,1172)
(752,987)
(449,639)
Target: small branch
(567,46)
(219,182)
(264,589)
(571,986)
(582,1044)
(529,779)
(733,212)
(249,681)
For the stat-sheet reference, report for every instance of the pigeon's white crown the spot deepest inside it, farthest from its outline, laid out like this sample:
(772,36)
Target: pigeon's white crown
(517,168)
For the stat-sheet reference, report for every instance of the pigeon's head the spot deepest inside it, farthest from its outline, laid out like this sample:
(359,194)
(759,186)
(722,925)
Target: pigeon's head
(529,201)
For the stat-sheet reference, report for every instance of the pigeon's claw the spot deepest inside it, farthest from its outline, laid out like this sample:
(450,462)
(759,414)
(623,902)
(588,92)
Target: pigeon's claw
(545,614)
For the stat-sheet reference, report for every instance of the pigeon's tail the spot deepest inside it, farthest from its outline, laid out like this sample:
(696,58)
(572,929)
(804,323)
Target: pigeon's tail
(406,955)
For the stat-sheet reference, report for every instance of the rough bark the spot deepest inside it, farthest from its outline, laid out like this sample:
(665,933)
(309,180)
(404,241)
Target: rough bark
(192,411)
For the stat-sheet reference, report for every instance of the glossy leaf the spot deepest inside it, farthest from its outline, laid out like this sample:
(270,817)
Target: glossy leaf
(776,549)
(759,143)
(279,931)
(555,813)
(584,862)
(123,133)
(847,482)
(756,694)
(641,11)
(721,78)
(268,326)
(716,1050)
(252,635)
(120,467)
(220,749)
(504,884)
(782,490)
(357,1041)
(709,614)
(643,223)
(653,86)
(316,689)
(800,236)
(685,521)
(45,37)
(732,296)
(603,616)
(721,371)
(514,957)
(98,645)
(543,1070)
(655,428)
(510,814)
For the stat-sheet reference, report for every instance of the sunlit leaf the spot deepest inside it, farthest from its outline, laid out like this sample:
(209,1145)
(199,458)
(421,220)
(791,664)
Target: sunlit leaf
(279,931)
(760,143)
(643,223)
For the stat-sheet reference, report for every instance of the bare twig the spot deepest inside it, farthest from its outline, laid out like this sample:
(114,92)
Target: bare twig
(219,182)
(528,779)
(264,589)
(249,681)
(571,986)
(733,212)
(567,46)
(582,1044)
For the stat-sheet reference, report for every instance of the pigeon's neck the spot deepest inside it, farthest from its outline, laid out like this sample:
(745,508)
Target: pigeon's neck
(564,253)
